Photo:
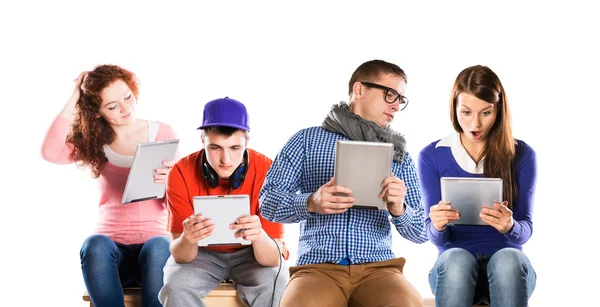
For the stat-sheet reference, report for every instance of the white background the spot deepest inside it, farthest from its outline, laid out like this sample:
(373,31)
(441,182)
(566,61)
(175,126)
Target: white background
(289,63)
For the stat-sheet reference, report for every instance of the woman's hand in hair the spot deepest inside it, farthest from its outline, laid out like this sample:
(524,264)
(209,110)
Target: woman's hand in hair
(69,108)
(442,214)
(77,89)
(499,216)
(162,173)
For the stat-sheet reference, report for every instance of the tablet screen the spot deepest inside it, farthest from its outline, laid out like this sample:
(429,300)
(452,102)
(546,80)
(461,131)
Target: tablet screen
(223,211)
(362,166)
(469,194)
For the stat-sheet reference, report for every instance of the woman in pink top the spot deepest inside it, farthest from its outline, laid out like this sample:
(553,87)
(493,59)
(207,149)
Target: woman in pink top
(97,129)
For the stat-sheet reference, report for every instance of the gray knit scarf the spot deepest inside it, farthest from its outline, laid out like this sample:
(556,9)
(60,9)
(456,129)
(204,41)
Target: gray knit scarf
(341,120)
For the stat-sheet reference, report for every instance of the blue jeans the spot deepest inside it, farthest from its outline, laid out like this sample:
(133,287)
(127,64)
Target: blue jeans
(460,279)
(108,266)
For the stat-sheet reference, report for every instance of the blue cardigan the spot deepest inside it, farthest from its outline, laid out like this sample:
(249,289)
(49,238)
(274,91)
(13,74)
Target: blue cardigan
(448,158)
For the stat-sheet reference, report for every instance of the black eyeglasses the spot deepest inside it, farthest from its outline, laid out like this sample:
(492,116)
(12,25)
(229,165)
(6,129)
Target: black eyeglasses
(390,95)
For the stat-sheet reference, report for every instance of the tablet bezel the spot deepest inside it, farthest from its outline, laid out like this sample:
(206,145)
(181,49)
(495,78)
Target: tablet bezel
(140,185)
(362,166)
(222,210)
(468,195)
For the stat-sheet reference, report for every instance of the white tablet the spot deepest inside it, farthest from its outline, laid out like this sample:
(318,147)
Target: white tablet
(469,194)
(362,166)
(140,181)
(222,210)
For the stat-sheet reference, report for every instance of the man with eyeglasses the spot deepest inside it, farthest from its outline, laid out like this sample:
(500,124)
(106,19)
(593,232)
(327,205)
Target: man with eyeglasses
(345,256)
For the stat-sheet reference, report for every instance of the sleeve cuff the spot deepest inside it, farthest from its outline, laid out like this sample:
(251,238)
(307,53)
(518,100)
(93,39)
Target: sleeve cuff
(515,232)
(405,219)
(300,206)
(436,233)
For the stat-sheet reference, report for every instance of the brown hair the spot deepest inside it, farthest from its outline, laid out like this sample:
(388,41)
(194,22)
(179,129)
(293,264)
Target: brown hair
(222,130)
(499,150)
(89,133)
(373,70)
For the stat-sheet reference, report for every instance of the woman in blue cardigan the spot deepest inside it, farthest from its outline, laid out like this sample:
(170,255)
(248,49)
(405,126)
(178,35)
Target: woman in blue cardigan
(480,264)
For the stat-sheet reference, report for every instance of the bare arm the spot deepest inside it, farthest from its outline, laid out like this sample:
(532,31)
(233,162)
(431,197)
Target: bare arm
(184,246)
(266,251)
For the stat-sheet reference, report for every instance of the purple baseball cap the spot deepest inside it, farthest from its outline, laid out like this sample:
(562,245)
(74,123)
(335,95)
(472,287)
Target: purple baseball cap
(225,112)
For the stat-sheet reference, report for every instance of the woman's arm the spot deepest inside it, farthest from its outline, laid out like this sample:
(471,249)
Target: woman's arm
(523,209)
(55,148)
(430,185)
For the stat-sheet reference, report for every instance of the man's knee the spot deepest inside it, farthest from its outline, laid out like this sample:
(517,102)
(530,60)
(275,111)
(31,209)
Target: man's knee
(303,290)
(259,276)
(175,278)
(261,284)
(318,298)
(392,289)
(181,278)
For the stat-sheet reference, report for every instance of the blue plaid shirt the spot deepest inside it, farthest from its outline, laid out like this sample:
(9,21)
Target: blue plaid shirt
(356,236)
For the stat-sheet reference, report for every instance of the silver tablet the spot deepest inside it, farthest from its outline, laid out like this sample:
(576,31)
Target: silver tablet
(222,210)
(469,194)
(362,166)
(140,181)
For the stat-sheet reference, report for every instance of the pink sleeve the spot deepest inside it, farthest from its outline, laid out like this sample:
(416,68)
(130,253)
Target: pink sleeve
(55,148)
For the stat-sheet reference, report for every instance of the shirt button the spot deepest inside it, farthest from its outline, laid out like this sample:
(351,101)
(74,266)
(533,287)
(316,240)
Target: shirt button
(351,228)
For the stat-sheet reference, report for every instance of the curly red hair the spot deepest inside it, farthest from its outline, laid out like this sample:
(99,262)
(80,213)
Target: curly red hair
(90,132)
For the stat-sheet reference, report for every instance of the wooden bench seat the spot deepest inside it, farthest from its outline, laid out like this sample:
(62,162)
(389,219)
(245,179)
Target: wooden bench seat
(224,295)
(430,302)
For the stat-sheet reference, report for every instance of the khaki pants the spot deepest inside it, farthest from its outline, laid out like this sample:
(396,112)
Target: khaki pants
(376,284)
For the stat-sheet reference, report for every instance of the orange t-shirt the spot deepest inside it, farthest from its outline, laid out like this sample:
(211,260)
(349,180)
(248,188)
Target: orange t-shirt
(185,181)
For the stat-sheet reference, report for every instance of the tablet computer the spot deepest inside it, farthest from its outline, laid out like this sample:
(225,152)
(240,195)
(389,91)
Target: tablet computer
(362,166)
(222,210)
(468,195)
(140,181)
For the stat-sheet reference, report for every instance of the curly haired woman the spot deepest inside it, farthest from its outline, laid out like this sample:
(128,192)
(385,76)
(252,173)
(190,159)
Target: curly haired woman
(97,129)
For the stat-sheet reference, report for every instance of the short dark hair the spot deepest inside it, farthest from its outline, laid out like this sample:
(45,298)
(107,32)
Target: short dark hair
(222,130)
(372,70)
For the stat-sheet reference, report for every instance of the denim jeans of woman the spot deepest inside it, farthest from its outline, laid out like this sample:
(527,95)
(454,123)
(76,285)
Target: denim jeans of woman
(108,266)
(460,279)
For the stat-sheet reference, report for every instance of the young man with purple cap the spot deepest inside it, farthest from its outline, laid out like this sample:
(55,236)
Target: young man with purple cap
(224,166)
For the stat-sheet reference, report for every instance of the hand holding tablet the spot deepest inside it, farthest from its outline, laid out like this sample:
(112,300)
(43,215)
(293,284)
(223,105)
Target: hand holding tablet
(248,228)
(160,175)
(149,157)
(442,214)
(221,212)
(362,167)
(498,216)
